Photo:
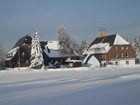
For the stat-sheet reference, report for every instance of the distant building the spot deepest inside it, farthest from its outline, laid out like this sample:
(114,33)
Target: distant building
(20,54)
(55,55)
(112,50)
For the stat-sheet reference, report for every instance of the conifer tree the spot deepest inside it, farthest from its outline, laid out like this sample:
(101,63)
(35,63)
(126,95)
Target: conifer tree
(37,60)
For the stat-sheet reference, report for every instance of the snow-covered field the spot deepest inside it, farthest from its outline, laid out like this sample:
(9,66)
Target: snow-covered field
(100,86)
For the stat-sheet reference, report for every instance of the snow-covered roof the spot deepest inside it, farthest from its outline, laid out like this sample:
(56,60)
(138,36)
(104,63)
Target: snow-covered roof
(120,41)
(114,39)
(53,45)
(25,39)
(69,60)
(52,49)
(98,48)
(12,53)
(55,53)
(103,44)
(100,45)
(91,61)
(13,50)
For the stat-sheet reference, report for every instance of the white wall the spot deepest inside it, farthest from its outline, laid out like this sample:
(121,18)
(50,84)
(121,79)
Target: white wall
(123,62)
(91,61)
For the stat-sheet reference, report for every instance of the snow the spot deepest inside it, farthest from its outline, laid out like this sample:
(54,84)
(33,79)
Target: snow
(12,53)
(97,86)
(55,53)
(105,47)
(91,61)
(70,60)
(120,41)
(99,48)
(54,45)
(100,45)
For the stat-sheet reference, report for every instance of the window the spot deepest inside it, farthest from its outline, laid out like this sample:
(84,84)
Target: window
(9,55)
(116,55)
(137,61)
(122,55)
(127,62)
(116,48)
(116,63)
(122,47)
(99,56)
(23,44)
(105,56)
(23,53)
(102,56)
(28,46)
(127,55)
(27,61)
(126,47)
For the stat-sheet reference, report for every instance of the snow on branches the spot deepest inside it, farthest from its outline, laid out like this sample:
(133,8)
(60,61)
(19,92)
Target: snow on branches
(37,60)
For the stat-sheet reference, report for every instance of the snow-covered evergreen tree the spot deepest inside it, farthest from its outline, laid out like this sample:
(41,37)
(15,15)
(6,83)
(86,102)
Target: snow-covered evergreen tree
(37,60)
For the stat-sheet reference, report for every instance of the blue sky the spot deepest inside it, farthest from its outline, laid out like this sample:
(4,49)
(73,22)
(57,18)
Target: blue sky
(82,18)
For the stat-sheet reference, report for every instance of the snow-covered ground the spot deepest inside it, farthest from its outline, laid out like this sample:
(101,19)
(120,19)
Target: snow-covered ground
(98,86)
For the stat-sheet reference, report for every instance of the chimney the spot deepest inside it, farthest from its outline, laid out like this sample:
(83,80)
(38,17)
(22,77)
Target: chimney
(102,32)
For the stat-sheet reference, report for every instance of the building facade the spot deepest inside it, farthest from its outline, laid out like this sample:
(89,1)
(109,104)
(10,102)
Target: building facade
(20,54)
(112,50)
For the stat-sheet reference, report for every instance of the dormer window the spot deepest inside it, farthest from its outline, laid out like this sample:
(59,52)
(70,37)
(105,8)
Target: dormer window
(9,55)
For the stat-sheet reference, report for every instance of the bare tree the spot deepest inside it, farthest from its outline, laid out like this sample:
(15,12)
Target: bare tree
(82,47)
(65,40)
(68,44)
